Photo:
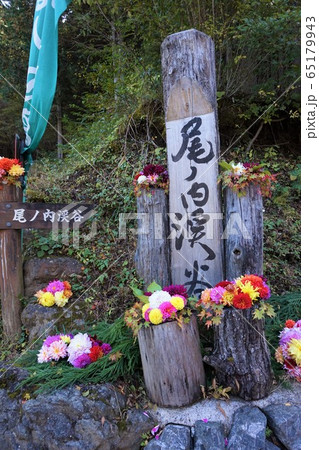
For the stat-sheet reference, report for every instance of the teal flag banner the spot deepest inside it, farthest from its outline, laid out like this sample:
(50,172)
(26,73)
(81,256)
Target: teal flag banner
(42,73)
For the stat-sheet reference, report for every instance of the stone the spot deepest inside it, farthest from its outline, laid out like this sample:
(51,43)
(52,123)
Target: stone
(248,430)
(136,424)
(41,321)
(208,436)
(270,446)
(174,437)
(285,422)
(38,272)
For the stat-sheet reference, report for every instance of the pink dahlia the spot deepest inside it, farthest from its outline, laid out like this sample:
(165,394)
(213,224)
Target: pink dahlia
(216,294)
(48,341)
(106,348)
(289,333)
(167,309)
(81,361)
(57,350)
(55,286)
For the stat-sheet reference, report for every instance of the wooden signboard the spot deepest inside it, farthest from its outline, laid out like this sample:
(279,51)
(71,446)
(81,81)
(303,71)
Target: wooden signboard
(193,153)
(19,216)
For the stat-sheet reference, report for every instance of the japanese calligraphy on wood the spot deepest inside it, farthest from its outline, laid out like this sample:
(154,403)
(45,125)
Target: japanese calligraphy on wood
(193,152)
(17,216)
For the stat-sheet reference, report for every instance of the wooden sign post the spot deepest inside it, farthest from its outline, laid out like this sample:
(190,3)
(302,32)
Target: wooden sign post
(14,216)
(189,84)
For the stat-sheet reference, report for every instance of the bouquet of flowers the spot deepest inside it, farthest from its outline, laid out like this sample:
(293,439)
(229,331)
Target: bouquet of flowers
(10,171)
(159,305)
(81,349)
(151,177)
(242,293)
(289,351)
(56,293)
(238,176)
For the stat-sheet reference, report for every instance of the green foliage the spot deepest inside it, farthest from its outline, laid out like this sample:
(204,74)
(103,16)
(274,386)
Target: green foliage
(49,376)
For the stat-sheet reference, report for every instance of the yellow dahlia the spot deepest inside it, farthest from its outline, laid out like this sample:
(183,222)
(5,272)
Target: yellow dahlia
(60,299)
(156,317)
(16,170)
(227,298)
(249,289)
(47,299)
(178,302)
(294,350)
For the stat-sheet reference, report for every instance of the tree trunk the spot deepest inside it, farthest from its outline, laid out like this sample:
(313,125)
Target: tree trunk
(189,87)
(241,356)
(11,275)
(172,363)
(152,253)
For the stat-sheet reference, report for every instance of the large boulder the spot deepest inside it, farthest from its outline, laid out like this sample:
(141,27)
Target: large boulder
(248,430)
(285,422)
(40,321)
(39,272)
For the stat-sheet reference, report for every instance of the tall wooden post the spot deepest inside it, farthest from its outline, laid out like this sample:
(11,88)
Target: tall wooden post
(152,252)
(241,356)
(11,275)
(189,84)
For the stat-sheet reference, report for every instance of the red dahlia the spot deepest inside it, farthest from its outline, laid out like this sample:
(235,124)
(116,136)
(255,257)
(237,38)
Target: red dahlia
(242,301)
(289,323)
(223,284)
(96,353)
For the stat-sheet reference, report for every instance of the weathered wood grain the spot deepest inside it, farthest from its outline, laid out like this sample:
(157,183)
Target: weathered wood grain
(152,252)
(11,275)
(244,229)
(172,363)
(241,356)
(189,88)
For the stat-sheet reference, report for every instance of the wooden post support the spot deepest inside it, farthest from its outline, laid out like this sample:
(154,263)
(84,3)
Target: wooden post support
(189,85)
(241,356)
(243,232)
(172,363)
(152,253)
(11,276)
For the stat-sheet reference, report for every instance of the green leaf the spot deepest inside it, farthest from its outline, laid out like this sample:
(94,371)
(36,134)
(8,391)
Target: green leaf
(225,166)
(153,287)
(139,294)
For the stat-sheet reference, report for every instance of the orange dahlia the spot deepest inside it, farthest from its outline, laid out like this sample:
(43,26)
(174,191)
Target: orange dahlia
(289,323)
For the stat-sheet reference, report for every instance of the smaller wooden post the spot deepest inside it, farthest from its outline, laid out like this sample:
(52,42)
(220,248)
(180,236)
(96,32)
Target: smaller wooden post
(241,356)
(11,275)
(172,363)
(152,253)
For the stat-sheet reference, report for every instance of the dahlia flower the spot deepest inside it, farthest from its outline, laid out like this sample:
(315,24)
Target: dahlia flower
(57,350)
(81,343)
(178,302)
(216,294)
(81,361)
(176,289)
(167,309)
(159,297)
(16,170)
(155,316)
(47,299)
(44,354)
(55,286)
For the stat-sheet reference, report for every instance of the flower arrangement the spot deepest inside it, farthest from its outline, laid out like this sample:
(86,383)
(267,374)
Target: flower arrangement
(151,177)
(10,171)
(289,351)
(238,176)
(81,349)
(243,293)
(158,306)
(56,293)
